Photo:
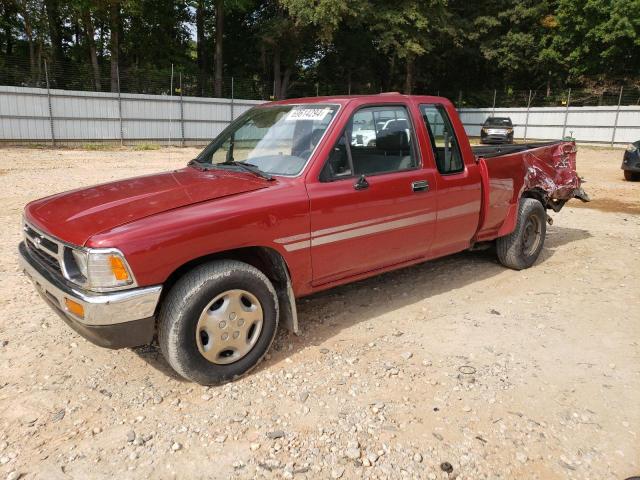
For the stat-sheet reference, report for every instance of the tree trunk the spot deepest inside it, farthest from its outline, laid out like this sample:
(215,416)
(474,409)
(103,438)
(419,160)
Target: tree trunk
(392,72)
(114,44)
(39,63)
(55,36)
(89,33)
(284,84)
(8,12)
(200,47)
(408,81)
(219,60)
(276,73)
(549,85)
(28,30)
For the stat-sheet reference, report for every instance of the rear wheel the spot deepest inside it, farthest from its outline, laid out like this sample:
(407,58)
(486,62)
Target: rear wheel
(631,176)
(521,248)
(218,321)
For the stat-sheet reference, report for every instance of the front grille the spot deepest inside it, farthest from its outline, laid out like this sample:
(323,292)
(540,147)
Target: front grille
(43,248)
(52,262)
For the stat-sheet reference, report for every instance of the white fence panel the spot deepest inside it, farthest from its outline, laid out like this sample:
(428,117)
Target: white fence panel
(585,124)
(74,116)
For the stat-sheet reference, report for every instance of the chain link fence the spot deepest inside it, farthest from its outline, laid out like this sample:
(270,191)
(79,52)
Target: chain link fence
(169,80)
(77,103)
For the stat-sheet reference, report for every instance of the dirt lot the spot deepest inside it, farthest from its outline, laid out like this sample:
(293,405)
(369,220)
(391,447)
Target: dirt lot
(502,374)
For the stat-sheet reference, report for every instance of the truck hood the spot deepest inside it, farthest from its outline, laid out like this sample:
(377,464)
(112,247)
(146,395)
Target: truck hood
(77,215)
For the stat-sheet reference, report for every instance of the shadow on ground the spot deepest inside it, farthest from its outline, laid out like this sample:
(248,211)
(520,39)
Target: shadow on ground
(318,314)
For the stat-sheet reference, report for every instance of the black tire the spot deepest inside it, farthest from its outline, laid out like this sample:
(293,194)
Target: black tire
(631,176)
(182,307)
(519,250)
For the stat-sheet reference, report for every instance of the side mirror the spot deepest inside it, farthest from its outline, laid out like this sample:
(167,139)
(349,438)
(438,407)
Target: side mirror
(361,184)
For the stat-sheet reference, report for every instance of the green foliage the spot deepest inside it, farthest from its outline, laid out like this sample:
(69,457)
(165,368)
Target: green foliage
(298,47)
(598,38)
(146,146)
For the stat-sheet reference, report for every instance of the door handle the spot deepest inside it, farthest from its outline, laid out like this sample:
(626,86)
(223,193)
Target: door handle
(420,186)
(361,184)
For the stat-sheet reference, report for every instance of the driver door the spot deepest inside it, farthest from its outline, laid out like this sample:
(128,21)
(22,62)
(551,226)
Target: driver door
(374,205)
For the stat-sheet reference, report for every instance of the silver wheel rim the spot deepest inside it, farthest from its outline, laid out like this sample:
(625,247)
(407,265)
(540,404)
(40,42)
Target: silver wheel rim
(229,326)
(532,235)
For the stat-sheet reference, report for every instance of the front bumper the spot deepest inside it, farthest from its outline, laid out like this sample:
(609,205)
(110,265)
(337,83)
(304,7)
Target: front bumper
(496,138)
(114,320)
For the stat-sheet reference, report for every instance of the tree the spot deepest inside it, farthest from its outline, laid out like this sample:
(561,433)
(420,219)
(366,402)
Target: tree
(219,48)
(56,37)
(114,42)
(598,38)
(403,29)
(343,46)
(85,11)
(406,29)
(201,56)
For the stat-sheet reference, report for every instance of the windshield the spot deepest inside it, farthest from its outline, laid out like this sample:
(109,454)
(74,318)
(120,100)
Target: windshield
(278,140)
(498,122)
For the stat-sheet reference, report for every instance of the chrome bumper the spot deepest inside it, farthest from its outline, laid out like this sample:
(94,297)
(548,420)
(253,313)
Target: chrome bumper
(100,309)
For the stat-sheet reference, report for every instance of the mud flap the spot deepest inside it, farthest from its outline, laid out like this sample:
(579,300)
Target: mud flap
(284,289)
(288,310)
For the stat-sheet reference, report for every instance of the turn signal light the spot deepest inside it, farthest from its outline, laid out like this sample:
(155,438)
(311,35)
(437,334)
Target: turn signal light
(118,268)
(74,307)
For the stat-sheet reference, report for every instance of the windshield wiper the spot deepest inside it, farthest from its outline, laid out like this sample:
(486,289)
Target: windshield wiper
(248,167)
(200,165)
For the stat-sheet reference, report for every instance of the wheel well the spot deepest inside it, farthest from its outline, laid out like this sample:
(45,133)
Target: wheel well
(543,198)
(536,194)
(265,259)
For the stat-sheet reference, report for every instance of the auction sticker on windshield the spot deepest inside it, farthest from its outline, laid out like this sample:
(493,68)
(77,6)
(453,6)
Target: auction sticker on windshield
(307,113)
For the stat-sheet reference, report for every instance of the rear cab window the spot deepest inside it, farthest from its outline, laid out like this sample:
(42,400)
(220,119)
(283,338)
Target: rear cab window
(444,143)
(377,139)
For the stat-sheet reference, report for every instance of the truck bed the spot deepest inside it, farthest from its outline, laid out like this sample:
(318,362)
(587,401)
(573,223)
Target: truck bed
(490,151)
(545,171)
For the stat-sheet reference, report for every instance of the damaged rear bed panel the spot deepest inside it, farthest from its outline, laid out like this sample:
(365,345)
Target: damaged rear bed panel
(547,173)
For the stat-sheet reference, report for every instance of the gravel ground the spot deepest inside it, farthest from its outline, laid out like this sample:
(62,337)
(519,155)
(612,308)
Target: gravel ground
(456,368)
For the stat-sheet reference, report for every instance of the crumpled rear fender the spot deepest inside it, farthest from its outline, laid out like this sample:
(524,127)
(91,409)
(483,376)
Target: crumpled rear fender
(546,173)
(551,176)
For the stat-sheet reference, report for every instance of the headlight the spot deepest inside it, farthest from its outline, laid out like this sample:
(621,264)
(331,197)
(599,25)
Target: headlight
(509,130)
(632,148)
(99,269)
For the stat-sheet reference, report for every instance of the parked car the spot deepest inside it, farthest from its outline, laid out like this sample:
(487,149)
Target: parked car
(209,259)
(631,162)
(497,130)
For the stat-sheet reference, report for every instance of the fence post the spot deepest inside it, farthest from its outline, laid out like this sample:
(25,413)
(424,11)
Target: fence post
(46,76)
(170,104)
(181,113)
(566,114)
(459,98)
(526,120)
(232,98)
(493,108)
(615,123)
(120,106)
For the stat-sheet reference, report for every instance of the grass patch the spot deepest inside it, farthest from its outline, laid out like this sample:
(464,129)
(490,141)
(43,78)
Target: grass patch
(98,146)
(146,146)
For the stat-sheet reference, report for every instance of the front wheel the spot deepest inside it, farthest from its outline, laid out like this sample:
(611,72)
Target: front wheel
(521,248)
(218,321)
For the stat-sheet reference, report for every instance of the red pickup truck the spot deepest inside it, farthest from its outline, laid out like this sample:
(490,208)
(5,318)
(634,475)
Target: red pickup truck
(292,198)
